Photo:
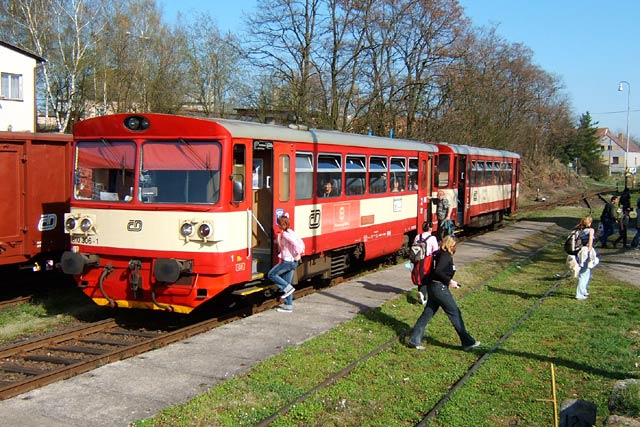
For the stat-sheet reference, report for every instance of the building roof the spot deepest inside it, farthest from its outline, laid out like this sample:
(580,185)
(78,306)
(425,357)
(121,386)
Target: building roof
(620,140)
(22,51)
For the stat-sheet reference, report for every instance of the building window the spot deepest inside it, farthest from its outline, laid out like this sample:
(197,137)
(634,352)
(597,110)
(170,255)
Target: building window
(11,86)
(615,160)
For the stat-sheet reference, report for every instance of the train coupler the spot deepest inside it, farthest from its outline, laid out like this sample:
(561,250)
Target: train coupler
(135,281)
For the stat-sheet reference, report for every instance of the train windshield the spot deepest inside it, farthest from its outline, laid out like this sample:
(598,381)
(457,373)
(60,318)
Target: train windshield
(180,172)
(104,170)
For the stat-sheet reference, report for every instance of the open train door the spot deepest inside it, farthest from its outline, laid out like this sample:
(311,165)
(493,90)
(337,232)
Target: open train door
(283,189)
(424,188)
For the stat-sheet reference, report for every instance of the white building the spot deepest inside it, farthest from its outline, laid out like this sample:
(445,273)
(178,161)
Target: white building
(613,149)
(17,88)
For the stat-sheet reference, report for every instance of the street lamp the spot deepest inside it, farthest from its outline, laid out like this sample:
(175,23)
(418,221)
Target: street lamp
(626,151)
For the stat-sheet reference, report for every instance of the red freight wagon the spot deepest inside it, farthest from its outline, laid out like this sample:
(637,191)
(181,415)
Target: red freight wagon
(35,186)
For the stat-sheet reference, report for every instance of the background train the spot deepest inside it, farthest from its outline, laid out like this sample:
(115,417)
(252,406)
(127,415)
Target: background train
(168,212)
(35,189)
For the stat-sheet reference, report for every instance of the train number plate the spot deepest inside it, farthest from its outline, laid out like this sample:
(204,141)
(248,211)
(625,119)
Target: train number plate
(84,240)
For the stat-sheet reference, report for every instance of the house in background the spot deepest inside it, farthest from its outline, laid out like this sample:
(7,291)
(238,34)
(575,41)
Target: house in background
(17,88)
(613,148)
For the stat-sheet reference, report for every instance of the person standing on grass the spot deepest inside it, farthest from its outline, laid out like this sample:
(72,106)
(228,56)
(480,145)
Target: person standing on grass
(624,225)
(586,257)
(291,248)
(608,220)
(439,295)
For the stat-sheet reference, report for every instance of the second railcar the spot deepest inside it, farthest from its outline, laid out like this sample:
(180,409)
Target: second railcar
(481,184)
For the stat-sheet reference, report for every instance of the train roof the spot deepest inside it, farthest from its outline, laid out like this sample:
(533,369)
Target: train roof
(479,151)
(253,130)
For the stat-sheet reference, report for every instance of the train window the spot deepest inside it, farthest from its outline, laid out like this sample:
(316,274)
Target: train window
(329,175)
(284,177)
(488,173)
(183,172)
(412,185)
(443,170)
(481,174)
(104,170)
(304,176)
(398,174)
(356,175)
(377,175)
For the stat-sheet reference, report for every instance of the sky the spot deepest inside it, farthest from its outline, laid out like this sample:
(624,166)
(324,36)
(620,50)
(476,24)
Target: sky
(590,45)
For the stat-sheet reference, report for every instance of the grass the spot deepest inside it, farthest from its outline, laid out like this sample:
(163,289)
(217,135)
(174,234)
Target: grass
(592,344)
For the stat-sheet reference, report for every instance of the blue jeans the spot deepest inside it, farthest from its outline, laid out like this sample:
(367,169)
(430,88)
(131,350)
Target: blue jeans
(607,231)
(583,281)
(440,296)
(281,274)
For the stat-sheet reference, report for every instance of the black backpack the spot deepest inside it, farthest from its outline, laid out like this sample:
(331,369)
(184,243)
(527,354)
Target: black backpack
(573,244)
(418,250)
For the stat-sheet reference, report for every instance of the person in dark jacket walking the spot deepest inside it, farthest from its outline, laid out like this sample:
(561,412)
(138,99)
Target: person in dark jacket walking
(439,295)
(608,220)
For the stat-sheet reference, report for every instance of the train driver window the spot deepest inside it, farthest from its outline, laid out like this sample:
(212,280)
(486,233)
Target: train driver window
(180,172)
(356,175)
(329,175)
(304,176)
(443,170)
(412,184)
(104,170)
(377,175)
(398,172)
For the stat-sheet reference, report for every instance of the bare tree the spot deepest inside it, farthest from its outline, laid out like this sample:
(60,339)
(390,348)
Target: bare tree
(213,65)
(283,34)
(60,31)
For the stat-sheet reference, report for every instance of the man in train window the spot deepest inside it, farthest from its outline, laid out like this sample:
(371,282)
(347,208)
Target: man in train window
(327,189)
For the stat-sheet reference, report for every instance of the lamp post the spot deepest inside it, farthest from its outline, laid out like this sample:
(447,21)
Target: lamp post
(626,151)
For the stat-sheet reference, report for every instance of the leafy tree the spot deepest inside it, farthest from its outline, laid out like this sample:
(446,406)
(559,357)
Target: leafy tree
(585,148)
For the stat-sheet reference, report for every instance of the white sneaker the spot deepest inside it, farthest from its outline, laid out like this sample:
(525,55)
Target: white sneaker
(472,346)
(287,291)
(284,309)
(423,300)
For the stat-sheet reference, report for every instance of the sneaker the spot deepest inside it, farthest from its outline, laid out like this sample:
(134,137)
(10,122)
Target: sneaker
(417,347)
(472,346)
(284,309)
(288,291)
(423,300)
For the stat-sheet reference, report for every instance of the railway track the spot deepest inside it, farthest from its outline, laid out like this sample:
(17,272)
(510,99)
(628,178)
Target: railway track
(15,301)
(35,363)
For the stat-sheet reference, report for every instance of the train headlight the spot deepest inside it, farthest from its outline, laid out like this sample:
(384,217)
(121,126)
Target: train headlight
(205,230)
(86,225)
(186,229)
(136,123)
(70,224)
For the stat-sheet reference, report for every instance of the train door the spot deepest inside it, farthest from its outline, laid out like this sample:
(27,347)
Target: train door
(12,171)
(283,185)
(463,190)
(515,179)
(262,207)
(424,188)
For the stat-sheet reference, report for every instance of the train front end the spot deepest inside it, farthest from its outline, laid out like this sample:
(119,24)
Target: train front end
(153,224)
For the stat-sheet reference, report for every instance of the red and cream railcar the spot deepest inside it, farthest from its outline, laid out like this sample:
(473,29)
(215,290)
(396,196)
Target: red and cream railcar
(168,212)
(481,184)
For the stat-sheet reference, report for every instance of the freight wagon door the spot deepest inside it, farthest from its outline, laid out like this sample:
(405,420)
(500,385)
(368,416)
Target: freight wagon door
(12,206)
